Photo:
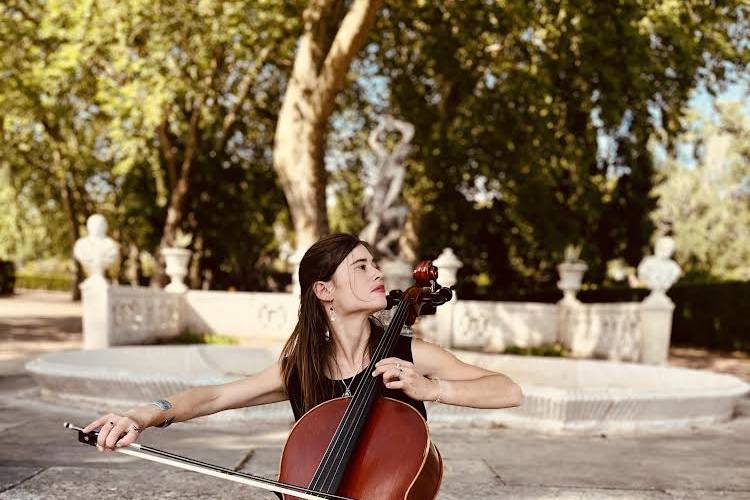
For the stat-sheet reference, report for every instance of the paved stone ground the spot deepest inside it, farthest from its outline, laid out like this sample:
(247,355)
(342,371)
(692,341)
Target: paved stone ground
(39,459)
(32,323)
(736,363)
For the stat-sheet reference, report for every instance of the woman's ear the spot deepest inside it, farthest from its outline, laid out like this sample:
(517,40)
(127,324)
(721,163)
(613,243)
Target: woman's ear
(323,290)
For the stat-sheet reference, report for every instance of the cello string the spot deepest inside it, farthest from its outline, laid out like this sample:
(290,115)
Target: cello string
(360,410)
(357,402)
(372,387)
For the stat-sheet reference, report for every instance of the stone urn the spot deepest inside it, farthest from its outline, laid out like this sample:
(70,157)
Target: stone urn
(571,277)
(176,260)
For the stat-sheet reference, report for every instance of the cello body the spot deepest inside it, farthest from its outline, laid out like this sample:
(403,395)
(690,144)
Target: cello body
(394,457)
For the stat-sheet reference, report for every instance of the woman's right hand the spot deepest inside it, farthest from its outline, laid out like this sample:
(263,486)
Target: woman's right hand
(115,431)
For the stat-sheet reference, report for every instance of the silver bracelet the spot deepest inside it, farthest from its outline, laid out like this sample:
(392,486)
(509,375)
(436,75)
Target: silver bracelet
(166,422)
(440,390)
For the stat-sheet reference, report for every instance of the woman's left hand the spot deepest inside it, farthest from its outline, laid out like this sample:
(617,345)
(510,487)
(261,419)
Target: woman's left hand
(400,374)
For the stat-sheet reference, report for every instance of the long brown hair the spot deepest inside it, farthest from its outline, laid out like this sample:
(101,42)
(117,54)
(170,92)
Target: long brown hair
(307,353)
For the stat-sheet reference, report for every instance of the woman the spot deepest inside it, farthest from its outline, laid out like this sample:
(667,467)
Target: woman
(325,357)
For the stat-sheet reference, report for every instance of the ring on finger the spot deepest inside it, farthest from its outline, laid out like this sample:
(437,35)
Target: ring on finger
(134,428)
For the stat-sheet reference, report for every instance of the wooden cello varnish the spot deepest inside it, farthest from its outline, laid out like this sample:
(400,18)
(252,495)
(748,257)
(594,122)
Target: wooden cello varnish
(394,458)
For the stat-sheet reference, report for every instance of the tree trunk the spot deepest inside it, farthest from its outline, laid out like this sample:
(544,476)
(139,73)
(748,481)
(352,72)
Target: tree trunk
(194,272)
(178,197)
(71,216)
(330,40)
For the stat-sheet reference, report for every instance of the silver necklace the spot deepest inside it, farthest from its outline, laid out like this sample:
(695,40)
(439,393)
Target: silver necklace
(347,391)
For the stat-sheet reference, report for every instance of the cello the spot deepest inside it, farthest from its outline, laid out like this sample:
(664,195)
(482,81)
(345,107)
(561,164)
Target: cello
(363,446)
(367,446)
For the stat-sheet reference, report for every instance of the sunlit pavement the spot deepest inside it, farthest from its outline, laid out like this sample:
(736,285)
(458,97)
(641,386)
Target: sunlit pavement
(39,459)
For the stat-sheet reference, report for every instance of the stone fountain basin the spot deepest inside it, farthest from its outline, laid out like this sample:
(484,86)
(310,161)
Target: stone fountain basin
(560,394)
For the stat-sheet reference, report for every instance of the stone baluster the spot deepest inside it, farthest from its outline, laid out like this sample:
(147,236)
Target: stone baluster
(96,252)
(448,266)
(658,272)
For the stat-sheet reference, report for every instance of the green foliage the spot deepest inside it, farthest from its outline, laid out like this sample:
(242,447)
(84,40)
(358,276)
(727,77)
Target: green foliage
(706,207)
(711,315)
(188,337)
(106,103)
(510,101)
(97,118)
(551,350)
(44,282)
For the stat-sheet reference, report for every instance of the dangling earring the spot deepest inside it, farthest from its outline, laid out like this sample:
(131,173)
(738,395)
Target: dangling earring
(332,318)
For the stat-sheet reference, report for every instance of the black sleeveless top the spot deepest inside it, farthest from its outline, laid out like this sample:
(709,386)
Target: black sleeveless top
(401,350)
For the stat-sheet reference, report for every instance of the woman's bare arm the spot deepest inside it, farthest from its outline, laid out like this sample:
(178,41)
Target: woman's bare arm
(459,383)
(257,389)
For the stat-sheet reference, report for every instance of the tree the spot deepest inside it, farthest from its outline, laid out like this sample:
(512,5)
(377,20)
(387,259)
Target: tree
(511,102)
(706,207)
(162,117)
(147,110)
(194,91)
(333,32)
(47,127)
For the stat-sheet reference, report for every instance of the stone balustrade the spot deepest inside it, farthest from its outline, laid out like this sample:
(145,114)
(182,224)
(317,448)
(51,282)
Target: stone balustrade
(609,331)
(261,315)
(118,315)
(140,315)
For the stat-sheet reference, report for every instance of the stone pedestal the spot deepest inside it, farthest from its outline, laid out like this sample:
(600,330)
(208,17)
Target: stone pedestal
(571,277)
(569,313)
(294,261)
(97,320)
(656,329)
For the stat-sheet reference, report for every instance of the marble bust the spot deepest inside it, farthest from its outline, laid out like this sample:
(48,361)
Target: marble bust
(659,272)
(96,251)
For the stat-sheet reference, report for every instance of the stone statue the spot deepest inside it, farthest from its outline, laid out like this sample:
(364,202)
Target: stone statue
(659,272)
(96,251)
(385,210)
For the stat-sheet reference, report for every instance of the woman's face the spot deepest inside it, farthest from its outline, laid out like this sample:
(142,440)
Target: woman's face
(357,284)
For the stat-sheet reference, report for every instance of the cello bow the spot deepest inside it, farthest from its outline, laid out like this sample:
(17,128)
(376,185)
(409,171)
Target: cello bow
(175,460)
